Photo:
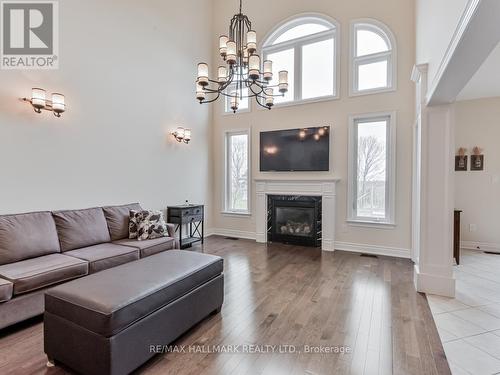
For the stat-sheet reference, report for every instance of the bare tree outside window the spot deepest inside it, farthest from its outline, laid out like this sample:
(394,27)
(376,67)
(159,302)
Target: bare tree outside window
(371,169)
(237,169)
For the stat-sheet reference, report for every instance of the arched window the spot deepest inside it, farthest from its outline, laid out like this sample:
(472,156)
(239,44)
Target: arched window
(307,47)
(373,58)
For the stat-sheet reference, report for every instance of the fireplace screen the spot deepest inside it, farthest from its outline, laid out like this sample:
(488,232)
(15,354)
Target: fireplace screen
(294,221)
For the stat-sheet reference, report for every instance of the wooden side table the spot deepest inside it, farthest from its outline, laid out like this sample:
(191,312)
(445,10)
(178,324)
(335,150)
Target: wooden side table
(191,215)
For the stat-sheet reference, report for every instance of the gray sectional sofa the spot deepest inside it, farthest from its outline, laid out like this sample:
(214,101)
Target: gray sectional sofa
(42,249)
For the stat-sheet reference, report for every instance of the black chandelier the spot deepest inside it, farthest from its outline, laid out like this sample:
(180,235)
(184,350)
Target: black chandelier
(242,69)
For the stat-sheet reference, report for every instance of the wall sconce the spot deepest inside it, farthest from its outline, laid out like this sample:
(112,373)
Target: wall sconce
(39,102)
(182,135)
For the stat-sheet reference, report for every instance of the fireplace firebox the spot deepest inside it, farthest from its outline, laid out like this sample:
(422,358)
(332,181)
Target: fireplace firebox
(294,219)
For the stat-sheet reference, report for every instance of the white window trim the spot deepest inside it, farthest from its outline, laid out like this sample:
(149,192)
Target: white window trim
(225,204)
(391,56)
(390,220)
(289,23)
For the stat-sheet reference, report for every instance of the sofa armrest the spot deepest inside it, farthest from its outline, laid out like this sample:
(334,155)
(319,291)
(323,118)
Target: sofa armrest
(171,233)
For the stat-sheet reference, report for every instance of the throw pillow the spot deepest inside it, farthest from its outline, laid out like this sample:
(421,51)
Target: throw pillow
(147,225)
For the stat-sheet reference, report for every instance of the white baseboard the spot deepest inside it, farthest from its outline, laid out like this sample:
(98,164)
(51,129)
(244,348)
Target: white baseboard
(433,284)
(480,246)
(230,233)
(344,246)
(373,249)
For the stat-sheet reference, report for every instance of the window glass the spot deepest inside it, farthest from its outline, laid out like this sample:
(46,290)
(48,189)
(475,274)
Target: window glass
(318,69)
(300,31)
(237,172)
(372,75)
(283,60)
(371,174)
(369,42)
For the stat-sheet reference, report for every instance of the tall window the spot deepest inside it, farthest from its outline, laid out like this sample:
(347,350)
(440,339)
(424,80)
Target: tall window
(373,58)
(307,47)
(237,172)
(372,168)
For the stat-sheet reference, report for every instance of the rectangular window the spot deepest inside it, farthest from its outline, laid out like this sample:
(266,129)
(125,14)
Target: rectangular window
(237,172)
(372,168)
(318,61)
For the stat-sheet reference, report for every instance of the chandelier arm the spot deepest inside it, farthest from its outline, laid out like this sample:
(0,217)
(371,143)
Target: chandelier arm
(211,100)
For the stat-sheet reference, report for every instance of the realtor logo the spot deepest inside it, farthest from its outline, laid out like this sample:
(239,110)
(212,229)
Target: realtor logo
(29,35)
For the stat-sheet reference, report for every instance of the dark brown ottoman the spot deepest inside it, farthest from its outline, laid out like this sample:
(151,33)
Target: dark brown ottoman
(106,323)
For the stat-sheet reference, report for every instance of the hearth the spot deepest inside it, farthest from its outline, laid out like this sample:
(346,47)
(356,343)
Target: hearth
(294,219)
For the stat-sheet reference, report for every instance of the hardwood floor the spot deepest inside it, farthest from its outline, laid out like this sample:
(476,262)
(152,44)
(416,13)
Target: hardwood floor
(289,295)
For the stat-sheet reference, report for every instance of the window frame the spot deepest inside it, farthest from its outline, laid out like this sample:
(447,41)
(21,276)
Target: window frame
(226,210)
(354,61)
(390,188)
(334,32)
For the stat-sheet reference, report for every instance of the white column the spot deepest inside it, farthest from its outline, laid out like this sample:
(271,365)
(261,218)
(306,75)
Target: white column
(434,234)
(328,209)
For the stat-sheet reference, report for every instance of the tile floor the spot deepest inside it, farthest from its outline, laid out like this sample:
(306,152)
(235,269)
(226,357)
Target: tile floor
(469,324)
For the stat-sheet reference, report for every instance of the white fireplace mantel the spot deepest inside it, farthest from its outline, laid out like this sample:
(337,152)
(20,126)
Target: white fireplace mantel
(325,188)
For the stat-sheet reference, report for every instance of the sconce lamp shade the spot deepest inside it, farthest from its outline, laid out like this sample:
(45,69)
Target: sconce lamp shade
(187,135)
(182,135)
(58,104)
(38,98)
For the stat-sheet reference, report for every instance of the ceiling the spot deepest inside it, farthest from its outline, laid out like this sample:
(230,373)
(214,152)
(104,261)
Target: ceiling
(485,82)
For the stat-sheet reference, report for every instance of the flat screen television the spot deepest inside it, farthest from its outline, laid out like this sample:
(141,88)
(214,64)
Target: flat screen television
(295,150)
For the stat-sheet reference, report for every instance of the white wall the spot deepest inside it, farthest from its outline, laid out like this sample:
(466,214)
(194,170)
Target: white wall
(477,193)
(399,16)
(436,22)
(127,69)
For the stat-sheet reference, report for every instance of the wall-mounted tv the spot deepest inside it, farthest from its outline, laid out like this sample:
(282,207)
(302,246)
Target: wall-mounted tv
(295,150)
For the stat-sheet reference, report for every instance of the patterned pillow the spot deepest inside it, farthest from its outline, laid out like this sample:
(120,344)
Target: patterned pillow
(146,225)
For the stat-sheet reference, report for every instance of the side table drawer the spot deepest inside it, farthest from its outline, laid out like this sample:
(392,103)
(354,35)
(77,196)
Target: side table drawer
(188,219)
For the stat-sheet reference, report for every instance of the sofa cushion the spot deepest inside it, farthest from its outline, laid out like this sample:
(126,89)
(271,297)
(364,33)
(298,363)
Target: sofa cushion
(107,255)
(132,291)
(81,228)
(117,218)
(149,247)
(36,273)
(6,288)
(27,236)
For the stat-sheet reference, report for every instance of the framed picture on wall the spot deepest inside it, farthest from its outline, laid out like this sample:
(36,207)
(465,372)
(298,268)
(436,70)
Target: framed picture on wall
(477,162)
(461,162)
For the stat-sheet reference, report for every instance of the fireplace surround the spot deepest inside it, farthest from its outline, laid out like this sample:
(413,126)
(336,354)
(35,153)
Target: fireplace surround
(324,188)
(294,219)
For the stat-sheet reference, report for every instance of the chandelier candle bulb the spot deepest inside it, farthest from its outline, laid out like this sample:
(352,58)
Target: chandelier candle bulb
(203,74)
(38,99)
(283,81)
(58,104)
(231,52)
(235,101)
(268,70)
(254,67)
(223,39)
(222,74)
(200,93)
(269,93)
(251,41)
